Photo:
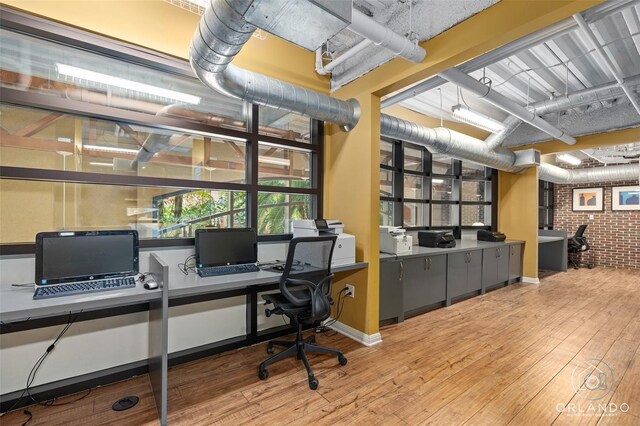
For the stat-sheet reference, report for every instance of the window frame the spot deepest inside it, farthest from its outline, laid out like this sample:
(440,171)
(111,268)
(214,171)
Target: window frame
(545,204)
(76,38)
(398,199)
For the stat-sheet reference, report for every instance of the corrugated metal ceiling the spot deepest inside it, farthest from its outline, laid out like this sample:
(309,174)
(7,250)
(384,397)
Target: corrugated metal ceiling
(562,64)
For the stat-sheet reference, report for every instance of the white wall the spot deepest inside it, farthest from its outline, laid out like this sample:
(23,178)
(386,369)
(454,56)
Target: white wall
(95,345)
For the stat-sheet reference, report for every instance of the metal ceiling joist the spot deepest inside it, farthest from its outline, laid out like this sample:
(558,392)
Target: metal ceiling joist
(556,30)
(606,59)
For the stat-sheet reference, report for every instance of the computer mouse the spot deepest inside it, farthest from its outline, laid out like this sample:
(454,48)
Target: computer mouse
(278,268)
(150,285)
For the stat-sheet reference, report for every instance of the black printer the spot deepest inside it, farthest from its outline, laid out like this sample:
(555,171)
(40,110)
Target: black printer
(439,239)
(484,235)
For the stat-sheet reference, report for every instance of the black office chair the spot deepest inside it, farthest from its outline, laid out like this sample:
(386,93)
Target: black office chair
(578,244)
(305,299)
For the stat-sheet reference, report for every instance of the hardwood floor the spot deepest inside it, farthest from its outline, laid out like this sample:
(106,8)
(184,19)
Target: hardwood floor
(504,358)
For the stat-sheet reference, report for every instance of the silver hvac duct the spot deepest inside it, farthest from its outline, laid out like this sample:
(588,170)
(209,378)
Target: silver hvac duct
(588,96)
(494,140)
(445,141)
(220,35)
(620,172)
(456,76)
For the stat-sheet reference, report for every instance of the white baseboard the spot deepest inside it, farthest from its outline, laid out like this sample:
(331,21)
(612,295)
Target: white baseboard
(530,280)
(357,335)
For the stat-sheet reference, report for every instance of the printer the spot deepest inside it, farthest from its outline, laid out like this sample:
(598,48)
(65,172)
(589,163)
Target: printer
(439,239)
(393,240)
(484,235)
(344,253)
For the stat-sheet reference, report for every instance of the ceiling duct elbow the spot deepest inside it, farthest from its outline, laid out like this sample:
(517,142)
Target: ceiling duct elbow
(221,34)
(617,173)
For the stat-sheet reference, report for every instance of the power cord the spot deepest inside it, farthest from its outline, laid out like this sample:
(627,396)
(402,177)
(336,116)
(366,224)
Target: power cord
(340,303)
(26,285)
(34,370)
(184,268)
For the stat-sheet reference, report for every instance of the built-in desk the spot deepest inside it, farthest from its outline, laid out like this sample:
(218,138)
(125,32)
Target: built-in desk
(428,278)
(18,311)
(552,250)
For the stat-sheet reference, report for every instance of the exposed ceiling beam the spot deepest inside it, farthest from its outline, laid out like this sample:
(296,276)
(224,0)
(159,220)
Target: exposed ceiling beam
(39,125)
(523,43)
(615,137)
(607,60)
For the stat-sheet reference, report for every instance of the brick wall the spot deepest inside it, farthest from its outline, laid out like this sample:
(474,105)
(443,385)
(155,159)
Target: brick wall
(614,236)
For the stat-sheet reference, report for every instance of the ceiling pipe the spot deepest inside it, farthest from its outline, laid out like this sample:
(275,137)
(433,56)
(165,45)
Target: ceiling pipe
(456,76)
(221,33)
(604,92)
(586,30)
(495,140)
(583,97)
(383,36)
(620,172)
(445,141)
(326,69)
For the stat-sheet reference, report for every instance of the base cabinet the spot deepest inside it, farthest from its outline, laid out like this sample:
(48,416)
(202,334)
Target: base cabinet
(391,272)
(425,281)
(464,273)
(409,285)
(515,262)
(495,266)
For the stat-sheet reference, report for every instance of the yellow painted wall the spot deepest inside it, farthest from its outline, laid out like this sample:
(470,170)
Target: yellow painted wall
(352,194)
(158,25)
(518,213)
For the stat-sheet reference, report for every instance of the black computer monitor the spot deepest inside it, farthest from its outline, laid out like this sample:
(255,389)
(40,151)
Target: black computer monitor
(86,255)
(218,247)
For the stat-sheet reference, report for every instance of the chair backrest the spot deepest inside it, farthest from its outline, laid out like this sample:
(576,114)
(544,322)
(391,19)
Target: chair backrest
(308,267)
(580,231)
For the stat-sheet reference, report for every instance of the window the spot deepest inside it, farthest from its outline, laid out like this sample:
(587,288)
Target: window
(420,190)
(545,204)
(126,138)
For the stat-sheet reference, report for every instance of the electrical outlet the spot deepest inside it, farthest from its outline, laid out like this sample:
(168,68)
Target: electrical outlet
(351,290)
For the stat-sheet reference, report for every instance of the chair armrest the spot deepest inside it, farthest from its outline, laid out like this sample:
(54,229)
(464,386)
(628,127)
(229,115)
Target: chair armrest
(311,287)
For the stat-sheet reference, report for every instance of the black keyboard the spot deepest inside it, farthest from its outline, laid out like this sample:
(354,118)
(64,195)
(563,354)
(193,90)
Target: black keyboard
(59,290)
(226,270)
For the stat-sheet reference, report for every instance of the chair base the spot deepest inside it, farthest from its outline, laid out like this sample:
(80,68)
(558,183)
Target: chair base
(577,264)
(298,348)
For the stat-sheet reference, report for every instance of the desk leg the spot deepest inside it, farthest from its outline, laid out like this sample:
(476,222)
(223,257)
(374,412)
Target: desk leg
(158,338)
(252,314)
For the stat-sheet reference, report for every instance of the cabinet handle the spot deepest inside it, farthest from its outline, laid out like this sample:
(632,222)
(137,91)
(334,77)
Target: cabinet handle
(467,257)
(428,263)
(401,271)
(500,252)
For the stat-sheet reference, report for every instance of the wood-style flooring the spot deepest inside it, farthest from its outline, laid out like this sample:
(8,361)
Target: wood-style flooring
(504,358)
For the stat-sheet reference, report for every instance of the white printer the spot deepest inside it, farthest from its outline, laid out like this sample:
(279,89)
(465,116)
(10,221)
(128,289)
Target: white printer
(344,252)
(393,240)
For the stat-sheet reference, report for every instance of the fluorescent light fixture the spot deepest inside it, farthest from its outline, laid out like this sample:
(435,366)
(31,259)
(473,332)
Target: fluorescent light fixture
(66,140)
(101,164)
(110,149)
(110,80)
(466,115)
(437,180)
(568,158)
(276,161)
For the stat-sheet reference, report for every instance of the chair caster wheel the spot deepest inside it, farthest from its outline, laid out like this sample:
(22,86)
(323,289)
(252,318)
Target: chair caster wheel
(342,360)
(313,383)
(263,374)
(270,349)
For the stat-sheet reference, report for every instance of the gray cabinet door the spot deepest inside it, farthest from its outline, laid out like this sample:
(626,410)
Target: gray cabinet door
(456,275)
(436,278)
(474,271)
(415,283)
(515,261)
(391,290)
(503,264)
(489,267)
